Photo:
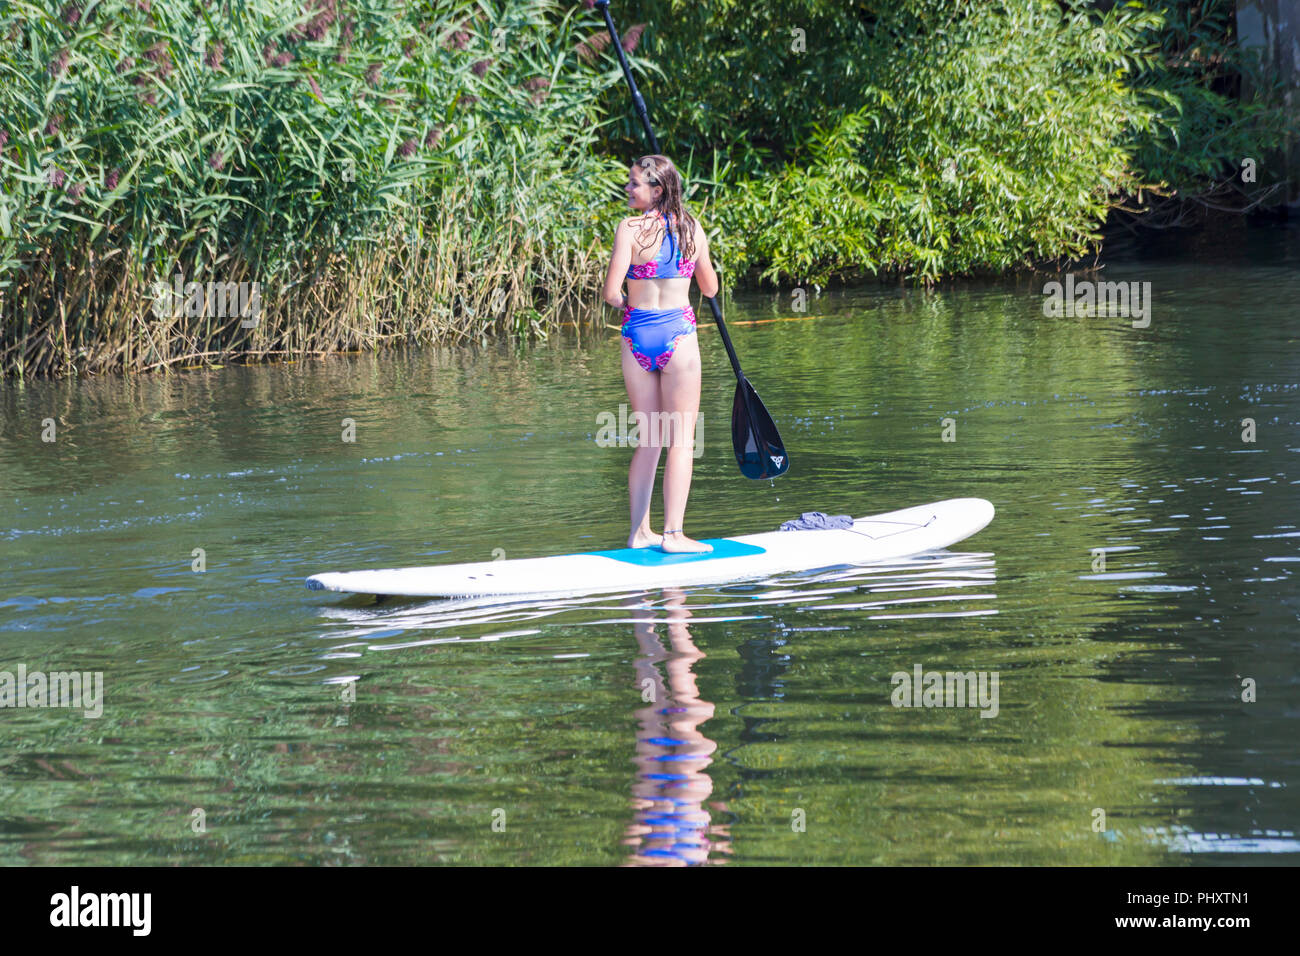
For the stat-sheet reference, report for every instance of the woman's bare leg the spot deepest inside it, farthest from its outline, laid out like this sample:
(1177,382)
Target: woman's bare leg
(679,389)
(643,395)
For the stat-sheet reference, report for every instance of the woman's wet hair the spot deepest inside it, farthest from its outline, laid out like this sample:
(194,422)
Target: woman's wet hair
(659,170)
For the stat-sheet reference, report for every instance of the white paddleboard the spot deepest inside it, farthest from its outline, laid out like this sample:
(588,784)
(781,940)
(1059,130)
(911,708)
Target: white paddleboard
(877,538)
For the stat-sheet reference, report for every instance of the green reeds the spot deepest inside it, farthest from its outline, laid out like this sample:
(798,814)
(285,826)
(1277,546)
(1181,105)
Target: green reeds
(384,171)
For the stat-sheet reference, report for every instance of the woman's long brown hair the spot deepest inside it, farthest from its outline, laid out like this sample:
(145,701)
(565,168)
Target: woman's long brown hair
(660,171)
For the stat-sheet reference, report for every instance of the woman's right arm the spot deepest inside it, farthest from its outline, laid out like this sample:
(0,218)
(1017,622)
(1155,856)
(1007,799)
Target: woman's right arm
(612,292)
(705,277)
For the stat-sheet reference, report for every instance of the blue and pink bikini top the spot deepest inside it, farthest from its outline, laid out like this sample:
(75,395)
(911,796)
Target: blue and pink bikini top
(667,265)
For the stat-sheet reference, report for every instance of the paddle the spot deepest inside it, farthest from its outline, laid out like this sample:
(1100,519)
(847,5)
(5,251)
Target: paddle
(760,453)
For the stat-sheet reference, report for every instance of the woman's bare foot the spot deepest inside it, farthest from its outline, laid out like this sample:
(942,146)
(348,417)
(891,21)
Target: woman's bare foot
(643,539)
(677,543)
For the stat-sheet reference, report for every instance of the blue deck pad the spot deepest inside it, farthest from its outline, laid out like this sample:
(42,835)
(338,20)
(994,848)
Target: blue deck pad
(654,558)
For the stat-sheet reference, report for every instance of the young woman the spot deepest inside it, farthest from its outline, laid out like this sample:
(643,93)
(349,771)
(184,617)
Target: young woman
(657,252)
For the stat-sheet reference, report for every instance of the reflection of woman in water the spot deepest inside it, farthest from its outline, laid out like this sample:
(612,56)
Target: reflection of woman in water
(672,826)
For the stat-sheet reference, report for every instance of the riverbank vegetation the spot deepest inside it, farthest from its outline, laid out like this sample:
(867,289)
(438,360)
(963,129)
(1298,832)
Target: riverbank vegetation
(390,172)
(936,137)
(386,171)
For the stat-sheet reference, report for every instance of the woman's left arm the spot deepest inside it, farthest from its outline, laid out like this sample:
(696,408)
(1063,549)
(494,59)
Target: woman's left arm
(618,263)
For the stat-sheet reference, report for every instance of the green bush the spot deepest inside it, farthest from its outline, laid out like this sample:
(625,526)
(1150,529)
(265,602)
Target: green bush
(1195,82)
(933,137)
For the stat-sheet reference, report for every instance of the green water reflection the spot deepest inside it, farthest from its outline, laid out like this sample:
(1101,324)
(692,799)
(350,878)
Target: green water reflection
(314,729)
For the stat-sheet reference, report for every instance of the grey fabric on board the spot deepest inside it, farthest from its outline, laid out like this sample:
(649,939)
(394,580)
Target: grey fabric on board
(817,521)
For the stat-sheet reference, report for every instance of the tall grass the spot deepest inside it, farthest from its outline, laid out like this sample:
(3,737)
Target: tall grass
(386,170)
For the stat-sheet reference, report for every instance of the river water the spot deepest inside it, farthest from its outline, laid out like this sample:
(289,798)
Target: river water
(1135,597)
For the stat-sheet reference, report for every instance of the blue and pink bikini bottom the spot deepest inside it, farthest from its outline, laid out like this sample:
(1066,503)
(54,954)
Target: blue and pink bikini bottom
(652,334)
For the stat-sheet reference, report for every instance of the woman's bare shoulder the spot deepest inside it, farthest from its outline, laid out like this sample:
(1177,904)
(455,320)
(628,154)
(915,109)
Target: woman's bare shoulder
(638,224)
(640,228)
(639,221)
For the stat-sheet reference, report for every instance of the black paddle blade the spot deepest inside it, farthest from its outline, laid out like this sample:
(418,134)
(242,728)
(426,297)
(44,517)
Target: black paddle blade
(760,453)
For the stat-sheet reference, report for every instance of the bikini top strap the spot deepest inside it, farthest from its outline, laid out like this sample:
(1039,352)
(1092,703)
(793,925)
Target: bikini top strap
(675,254)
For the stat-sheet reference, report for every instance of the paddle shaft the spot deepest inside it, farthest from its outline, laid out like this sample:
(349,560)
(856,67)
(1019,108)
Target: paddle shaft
(644,114)
(637,101)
